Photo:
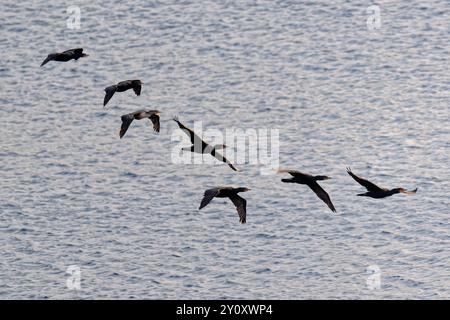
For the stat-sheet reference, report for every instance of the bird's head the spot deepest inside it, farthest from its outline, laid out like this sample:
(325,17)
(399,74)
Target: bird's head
(242,189)
(403,190)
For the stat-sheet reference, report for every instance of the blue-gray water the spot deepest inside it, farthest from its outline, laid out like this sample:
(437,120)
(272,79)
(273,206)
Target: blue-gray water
(73,193)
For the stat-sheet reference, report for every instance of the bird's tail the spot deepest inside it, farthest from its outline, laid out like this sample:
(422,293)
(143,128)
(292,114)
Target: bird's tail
(45,61)
(288,180)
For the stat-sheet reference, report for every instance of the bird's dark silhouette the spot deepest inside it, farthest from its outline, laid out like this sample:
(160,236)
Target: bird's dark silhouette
(65,56)
(375,191)
(127,119)
(228,192)
(310,181)
(122,86)
(200,146)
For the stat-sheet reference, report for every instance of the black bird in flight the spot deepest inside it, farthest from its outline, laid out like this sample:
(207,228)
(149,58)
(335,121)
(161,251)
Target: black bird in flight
(374,191)
(200,146)
(310,181)
(228,192)
(121,87)
(127,119)
(65,56)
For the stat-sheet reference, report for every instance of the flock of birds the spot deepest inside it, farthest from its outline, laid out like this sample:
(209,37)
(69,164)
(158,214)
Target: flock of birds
(200,146)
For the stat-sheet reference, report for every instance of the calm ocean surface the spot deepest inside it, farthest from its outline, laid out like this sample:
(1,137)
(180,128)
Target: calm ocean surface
(73,194)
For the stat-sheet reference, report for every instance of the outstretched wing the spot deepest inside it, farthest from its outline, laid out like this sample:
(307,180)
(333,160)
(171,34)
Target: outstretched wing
(73,51)
(220,157)
(78,51)
(293,173)
(322,194)
(195,139)
(365,183)
(208,196)
(155,120)
(137,88)
(127,119)
(241,207)
(109,93)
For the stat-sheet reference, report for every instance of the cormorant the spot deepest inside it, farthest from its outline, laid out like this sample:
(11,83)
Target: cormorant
(374,191)
(228,192)
(310,181)
(121,87)
(200,146)
(153,115)
(65,56)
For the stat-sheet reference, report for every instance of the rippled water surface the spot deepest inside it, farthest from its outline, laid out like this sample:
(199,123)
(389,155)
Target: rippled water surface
(73,193)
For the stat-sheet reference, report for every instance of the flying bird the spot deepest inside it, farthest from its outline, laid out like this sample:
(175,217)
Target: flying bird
(200,146)
(121,87)
(127,119)
(374,191)
(65,56)
(228,192)
(310,181)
